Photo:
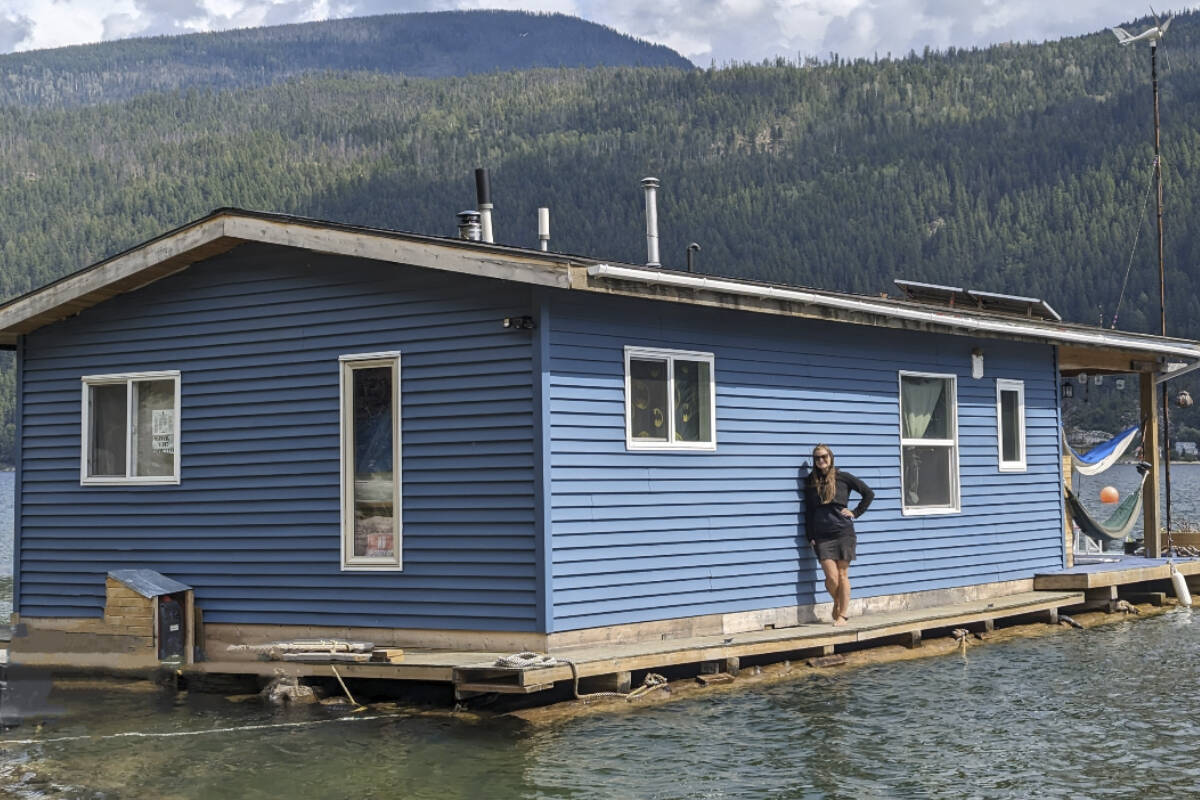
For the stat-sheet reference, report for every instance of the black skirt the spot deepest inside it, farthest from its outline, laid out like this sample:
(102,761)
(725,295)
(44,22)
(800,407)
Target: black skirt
(838,548)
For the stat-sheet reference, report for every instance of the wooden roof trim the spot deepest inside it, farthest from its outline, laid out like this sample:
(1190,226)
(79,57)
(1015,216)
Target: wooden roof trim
(225,230)
(378,247)
(130,270)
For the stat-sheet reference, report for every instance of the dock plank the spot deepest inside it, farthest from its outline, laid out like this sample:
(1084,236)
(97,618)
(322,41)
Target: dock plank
(477,671)
(1117,573)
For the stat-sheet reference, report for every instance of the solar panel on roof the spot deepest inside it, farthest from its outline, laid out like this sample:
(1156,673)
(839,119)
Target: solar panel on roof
(1032,307)
(933,293)
(1014,304)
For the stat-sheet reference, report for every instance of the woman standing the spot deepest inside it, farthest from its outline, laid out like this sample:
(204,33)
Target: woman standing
(830,524)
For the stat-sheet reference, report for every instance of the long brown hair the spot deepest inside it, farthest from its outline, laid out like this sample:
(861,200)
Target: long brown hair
(824,480)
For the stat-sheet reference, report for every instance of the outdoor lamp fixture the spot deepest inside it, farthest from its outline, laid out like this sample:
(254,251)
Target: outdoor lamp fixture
(1068,389)
(1082,378)
(976,363)
(519,323)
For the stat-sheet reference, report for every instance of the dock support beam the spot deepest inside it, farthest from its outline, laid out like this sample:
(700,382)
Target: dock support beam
(611,682)
(1150,451)
(1105,596)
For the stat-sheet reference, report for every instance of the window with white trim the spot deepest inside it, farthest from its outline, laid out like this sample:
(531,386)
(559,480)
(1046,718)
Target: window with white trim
(669,400)
(1010,424)
(928,443)
(130,428)
(370,455)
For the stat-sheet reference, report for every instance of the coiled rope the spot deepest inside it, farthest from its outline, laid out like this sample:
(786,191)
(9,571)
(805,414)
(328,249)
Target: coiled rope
(531,660)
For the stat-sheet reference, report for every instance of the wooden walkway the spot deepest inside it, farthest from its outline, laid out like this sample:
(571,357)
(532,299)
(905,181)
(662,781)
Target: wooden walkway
(1119,572)
(474,672)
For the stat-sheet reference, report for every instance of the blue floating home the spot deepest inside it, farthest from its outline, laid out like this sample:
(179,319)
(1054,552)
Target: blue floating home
(323,430)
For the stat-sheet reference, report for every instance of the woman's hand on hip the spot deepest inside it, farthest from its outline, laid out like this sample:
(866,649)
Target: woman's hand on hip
(847,513)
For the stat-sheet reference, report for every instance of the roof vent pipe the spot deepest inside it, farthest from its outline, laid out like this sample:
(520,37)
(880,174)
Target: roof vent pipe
(544,228)
(468,225)
(483,195)
(692,249)
(651,187)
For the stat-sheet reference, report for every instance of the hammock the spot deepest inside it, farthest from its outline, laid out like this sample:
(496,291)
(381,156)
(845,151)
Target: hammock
(1122,520)
(1103,456)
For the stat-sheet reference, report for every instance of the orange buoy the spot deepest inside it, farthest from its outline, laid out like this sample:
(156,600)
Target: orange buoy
(1109,494)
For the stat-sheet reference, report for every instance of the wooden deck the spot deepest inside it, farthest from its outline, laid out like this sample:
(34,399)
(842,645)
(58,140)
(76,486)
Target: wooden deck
(1124,570)
(472,672)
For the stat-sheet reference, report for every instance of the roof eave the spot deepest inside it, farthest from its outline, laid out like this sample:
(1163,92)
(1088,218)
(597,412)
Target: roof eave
(749,296)
(225,229)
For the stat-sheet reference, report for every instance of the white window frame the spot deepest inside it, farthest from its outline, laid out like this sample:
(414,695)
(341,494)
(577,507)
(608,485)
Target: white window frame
(657,353)
(128,379)
(346,365)
(956,483)
(1008,385)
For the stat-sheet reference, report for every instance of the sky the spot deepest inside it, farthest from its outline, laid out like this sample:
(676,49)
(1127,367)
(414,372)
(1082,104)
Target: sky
(706,31)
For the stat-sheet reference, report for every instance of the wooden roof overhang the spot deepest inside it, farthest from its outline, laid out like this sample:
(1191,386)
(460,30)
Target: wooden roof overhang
(1081,348)
(225,229)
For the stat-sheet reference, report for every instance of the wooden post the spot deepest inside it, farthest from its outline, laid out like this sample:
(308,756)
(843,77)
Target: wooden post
(189,622)
(1150,452)
(1069,533)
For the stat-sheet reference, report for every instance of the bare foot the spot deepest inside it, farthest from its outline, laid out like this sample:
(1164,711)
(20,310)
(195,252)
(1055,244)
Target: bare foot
(840,620)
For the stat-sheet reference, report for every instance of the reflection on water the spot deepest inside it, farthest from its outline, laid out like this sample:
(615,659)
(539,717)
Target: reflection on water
(1110,711)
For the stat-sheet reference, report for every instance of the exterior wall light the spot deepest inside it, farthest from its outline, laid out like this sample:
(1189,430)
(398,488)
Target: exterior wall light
(976,363)
(519,323)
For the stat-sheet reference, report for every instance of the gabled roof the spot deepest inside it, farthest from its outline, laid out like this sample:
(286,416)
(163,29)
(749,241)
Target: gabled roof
(1083,347)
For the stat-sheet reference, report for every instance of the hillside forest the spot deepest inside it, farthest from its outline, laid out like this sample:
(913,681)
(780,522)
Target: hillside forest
(1020,168)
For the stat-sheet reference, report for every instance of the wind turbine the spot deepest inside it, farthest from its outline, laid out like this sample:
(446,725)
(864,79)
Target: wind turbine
(1152,35)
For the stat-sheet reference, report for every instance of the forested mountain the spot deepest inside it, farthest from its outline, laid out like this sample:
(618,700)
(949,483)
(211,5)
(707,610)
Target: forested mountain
(431,45)
(1020,168)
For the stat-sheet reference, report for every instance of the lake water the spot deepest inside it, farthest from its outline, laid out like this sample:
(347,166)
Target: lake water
(1108,712)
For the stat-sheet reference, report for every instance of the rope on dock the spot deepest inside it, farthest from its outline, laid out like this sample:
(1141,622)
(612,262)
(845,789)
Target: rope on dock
(531,660)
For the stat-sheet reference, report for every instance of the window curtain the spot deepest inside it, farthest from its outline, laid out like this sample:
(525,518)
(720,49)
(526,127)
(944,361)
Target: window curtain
(919,400)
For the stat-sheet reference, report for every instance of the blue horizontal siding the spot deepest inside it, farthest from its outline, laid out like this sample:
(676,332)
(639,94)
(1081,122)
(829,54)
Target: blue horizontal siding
(644,535)
(254,525)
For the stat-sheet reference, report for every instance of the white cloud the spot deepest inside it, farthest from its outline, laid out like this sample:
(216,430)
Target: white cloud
(14,29)
(703,30)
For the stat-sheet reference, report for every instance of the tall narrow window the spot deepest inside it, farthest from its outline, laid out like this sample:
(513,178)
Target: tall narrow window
(928,444)
(130,428)
(1010,424)
(371,461)
(669,400)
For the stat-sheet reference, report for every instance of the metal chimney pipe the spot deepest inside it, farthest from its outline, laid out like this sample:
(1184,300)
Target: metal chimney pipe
(651,187)
(468,225)
(692,249)
(483,195)
(544,228)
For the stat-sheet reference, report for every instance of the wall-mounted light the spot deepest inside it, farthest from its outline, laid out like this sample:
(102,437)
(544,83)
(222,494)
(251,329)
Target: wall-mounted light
(1097,379)
(1120,384)
(1082,378)
(519,323)
(976,363)
(1068,389)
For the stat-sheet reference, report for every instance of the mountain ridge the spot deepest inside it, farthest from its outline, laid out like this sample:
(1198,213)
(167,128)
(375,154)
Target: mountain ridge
(421,44)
